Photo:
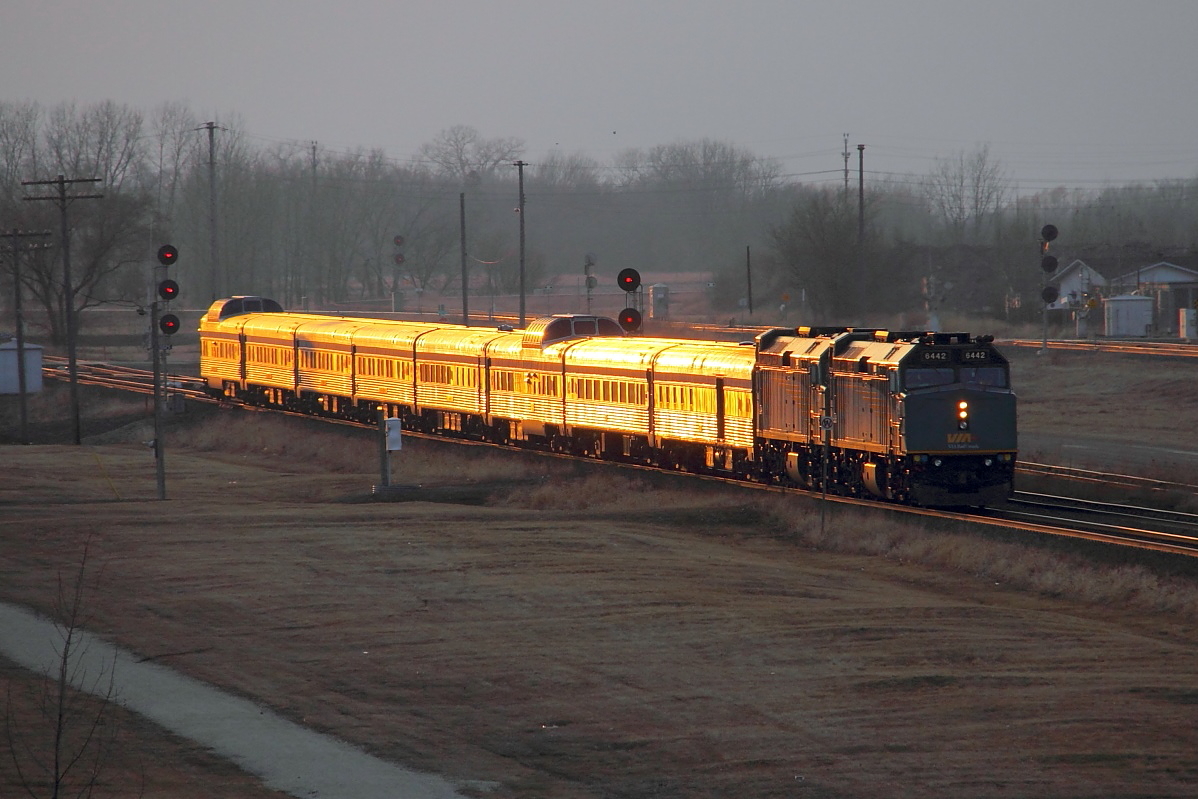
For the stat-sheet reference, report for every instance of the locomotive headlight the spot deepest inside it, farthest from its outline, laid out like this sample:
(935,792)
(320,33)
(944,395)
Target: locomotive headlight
(988,462)
(936,462)
(963,415)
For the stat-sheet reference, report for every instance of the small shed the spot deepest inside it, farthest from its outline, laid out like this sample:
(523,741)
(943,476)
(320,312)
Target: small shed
(1128,316)
(10,380)
(659,301)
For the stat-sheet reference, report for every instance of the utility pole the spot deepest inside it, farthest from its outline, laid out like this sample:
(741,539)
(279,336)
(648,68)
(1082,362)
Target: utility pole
(68,289)
(308,269)
(218,281)
(465,280)
(748,279)
(846,169)
(860,195)
(16,249)
(520,166)
(860,210)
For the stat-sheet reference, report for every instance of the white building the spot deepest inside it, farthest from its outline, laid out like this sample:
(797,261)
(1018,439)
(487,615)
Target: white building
(1078,283)
(10,380)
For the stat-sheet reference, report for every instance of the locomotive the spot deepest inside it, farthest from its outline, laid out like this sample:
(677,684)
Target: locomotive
(923,418)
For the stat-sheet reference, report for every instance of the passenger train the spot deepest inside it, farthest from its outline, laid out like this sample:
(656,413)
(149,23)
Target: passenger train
(913,417)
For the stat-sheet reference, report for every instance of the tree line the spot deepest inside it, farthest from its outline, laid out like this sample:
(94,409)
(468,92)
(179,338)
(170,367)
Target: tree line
(314,227)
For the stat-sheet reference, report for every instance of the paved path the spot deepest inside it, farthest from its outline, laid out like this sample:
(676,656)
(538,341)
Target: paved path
(286,756)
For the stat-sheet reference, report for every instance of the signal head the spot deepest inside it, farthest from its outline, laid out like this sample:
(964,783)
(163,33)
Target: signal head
(168,290)
(629,279)
(169,324)
(630,320)
(167,255)
(1048,232)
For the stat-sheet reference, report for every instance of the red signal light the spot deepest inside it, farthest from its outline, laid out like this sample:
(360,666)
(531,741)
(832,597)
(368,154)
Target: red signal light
(167,254)
(630,320)
(169,324)
(629,279)
(168,290)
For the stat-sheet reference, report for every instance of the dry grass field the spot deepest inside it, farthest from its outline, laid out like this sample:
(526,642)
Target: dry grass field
(572,631)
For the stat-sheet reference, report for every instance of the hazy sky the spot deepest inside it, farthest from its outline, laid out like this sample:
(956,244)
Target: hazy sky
(1076,92)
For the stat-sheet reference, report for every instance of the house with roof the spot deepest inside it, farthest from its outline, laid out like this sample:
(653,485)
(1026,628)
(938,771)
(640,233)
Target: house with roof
(1170,286)
(1078,283)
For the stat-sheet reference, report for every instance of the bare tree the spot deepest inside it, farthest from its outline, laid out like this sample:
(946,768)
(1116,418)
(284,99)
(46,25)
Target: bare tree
(102,141)
(107,237)
(18,147)
(729,173)
(174,127)
(577,172)
(461,153)
(64,751)
(965,191)
(817,246)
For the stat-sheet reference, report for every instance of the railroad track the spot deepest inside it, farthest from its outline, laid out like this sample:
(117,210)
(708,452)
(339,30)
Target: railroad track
(1132,525)
(1102,478)
(125,378)
(1165,348)
(1128,526)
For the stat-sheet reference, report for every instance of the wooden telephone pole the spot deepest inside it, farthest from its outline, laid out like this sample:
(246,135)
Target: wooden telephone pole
(68,289)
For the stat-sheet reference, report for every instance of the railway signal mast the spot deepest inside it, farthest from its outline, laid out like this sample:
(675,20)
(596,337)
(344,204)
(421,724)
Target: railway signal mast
(168,324)
(591,282)
(1049,264)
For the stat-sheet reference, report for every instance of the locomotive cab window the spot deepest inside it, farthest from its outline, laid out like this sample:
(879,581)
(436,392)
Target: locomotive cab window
(984,376)
(926,377)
